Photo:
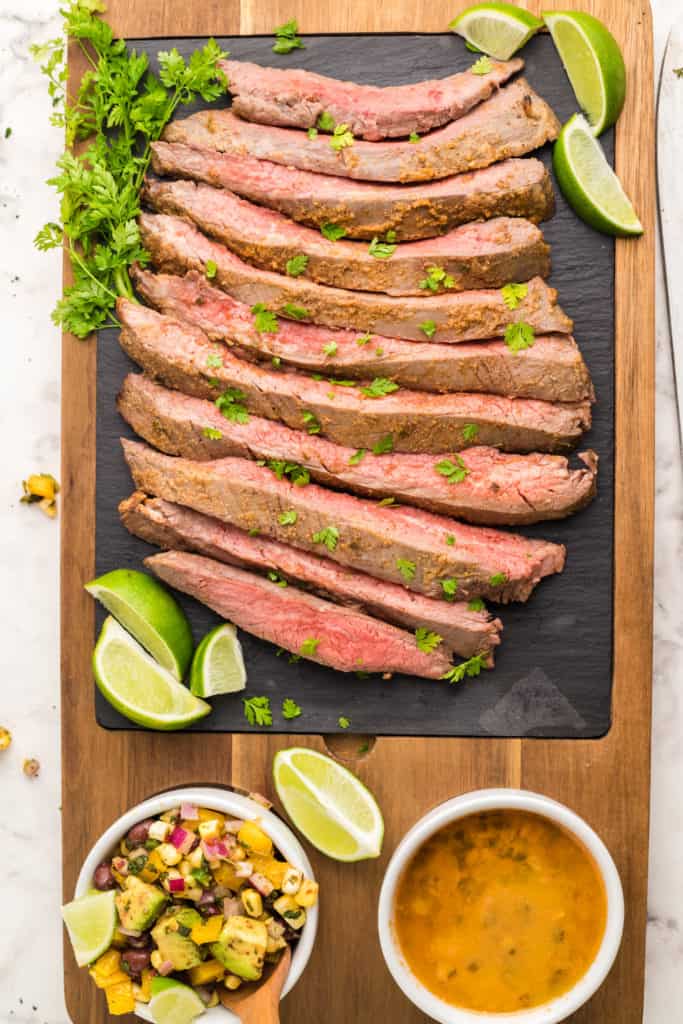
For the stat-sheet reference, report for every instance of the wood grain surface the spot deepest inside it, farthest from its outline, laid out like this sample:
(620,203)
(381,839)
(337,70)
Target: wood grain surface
(607,781)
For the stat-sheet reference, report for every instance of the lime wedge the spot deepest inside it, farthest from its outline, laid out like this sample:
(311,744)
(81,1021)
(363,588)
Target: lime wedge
(90,922)
(589,184)
(326,802)
(148,611)
(593,61)
(139,688)
(218,665)
(498,29)
(174,1003)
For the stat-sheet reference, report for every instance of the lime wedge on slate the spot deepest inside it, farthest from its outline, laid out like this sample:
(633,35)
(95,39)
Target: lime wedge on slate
(138,687)
(174,1003)
(90,922)
(499,29)
(593,61)
(328,804)
(589,184)
(148,611)
(218,665)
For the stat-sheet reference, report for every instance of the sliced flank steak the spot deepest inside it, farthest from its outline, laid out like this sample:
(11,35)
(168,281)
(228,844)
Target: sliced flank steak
(514,122)
(302,623)
(177,246)
(482,485)
(464,630)
(430,554)
(377,414)
(296,98)
(552,369)
(513,188)
(486,254)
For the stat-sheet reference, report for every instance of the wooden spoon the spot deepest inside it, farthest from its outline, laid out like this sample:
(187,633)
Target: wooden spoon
(260,1005)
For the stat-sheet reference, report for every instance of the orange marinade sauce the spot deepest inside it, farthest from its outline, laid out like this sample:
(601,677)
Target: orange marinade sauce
(500,911)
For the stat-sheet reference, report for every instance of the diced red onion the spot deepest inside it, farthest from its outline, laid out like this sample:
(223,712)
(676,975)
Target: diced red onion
(189,812)
(215,849)
(232,907)
(165,968)
(176,885)
(183,840)
(261,883)
(208,896)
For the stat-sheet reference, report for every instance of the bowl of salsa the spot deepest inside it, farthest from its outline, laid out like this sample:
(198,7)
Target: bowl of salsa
(500,905)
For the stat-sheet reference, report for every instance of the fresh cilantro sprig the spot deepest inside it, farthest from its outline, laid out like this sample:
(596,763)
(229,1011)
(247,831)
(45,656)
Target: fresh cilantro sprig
(287,38)
(120,108)
(379,387)
(290,708)
(519,336)
(471,667)
(426,640)
(257,711)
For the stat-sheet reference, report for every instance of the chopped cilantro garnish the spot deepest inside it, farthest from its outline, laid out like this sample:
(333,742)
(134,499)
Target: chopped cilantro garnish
(210,269)
(296,266)
(312,133)
(498,579)
(276,578)
(329,536)
(343,722)
(212,433)
(381,250)
(513,294)
(449,588)
(379,387)
(330,348)
(450,539)
(476,605)
(309,646)
(454,471)
(257,710)
(384,445)
(483,66)
(231,405)
(406,568)
(332,232)
(265,321)
(428,327)
(469,432)
(341,137)
(286,37)
(471,667)
(519,336)
(325,122)
(436,278)
(295,312)
(288,518)
(364,339)
(310,422)
(413,137)
(357,456)
(426,640)
(290,708)
(295,473)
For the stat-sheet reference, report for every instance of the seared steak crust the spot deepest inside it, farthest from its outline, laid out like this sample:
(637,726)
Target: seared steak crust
(182,357)
(159,522)
(486,254)
(513,188)
(296,98)
(402,545)
(552,369)
(348,640)
(178,246)
(496,489)
(512,123)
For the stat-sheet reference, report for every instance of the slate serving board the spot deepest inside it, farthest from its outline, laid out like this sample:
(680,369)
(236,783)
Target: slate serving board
(553,673)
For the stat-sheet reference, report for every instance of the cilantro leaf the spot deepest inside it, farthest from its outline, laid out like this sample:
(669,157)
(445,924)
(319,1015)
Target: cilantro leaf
(499,579)
(426,640)
(292,471)
(471,667)
(476,605)
(449,588)
(295,312)
(257,710)
(329,536)
(325,122)
(214,361)
(428,327)
(469,432)
(231,405)
(332,232)
(406,568)
(210,269)
(212,433)
(312,133)
(309,646)
(286,37)
(342,137)
(290,709)
(437,278)
(483,66)
(381,250)
(413,137)
(288,518)
(455,472)
(296,266)
(311,422)
(450,539)
(519,336)
(265,321)
(379,387)
(384,445)
(357,456)
(330,348)
(343,722)
(364,339)
(276,578)
(513,294)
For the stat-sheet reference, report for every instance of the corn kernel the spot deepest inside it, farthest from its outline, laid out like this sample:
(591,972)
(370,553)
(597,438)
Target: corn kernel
(212,829)
(291,883)
(307,895)
(289,909)
(196,858)
(159,830)
(185,868)
(169,854)
(232,982)
(252,902)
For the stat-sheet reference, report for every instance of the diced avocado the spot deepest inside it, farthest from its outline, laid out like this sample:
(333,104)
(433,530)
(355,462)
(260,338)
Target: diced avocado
(139,904)
(241,947)
(172,937)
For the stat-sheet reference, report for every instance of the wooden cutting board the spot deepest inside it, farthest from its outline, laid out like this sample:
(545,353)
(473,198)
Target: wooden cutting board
(606,780)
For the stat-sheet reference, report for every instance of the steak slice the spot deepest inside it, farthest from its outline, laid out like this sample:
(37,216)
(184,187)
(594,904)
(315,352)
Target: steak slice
(492,488)
(347,640)
(551,369)
(465,631)
(177,246)
(513,122)
(402,545)
(182,357)
(486,254)
(513,188)
(296,98)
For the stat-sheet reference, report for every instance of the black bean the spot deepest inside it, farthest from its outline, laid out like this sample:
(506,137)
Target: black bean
(140,832)
(135,961)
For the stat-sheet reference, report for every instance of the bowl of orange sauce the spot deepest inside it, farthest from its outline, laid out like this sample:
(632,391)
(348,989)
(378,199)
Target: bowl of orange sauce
(500,905)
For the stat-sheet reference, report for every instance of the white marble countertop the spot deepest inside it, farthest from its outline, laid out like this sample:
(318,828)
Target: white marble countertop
(30,934)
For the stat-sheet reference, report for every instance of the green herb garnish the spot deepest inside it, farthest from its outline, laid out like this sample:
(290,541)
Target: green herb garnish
(332,232)
(325,122)
(483,66)
(286,37)
(265,321)
(231,405)
(476,605)
(381,250)
(329,536)
(379,387)
(212,433)
(428,327)
(519,336)
(341,137)
(357,456)
(454,471)
(290,309)
(449,588)
(498,579)
(210,269)
(436,278)
(406,568)
(330,348)
(296,266)
(513,294)
(384,445)
(343,722)
(292,471)
(309,646)
(311,422)
(469,432)
(276,578)
(290,708)
(288,518)
(413,137)
(364,339)
(471,667)
(426,640)
(257,710)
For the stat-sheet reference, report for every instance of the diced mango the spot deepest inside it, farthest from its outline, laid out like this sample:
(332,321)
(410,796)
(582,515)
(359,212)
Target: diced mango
(107,970)
(224,874)
(155,863)
(150,873)
(204,974)
(207,931)
(255,839)
(120,998)
(143,991)
(192,824)
(274,870)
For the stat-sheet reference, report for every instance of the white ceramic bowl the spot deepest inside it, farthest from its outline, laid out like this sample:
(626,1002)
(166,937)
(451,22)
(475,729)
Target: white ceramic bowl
(488,800)
(235,806)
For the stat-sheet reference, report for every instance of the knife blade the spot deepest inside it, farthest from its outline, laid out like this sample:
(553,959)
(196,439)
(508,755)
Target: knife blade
(670,199)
